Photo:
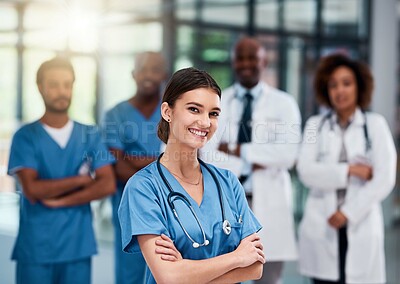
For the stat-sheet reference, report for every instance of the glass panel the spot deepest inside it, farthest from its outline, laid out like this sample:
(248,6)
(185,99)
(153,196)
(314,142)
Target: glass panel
(183,62)
(267,14)
(84,94)
(8,91)
(32,103)
(224,3)
(270,74)
(148,8)
(185,39)
(82,31)
(293,68)
(54,24)
(185,9)
(222,75)
(300,15)
(6,182)
(46,39)
(347,18)
(8,38)
(8,109)
(116,69)
(223,11)
(87,5)
(39,16)
(9,17)
(115,18)
(217,45)
(129,39)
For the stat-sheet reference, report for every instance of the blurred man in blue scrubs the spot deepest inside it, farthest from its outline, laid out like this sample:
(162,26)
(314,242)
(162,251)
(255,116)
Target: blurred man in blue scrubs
(61,166)
(130,130)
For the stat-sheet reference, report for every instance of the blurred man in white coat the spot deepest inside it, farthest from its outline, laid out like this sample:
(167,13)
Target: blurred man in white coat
(258,140)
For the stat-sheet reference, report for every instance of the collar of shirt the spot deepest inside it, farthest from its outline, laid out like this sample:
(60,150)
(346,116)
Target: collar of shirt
(357,118)
(256,91)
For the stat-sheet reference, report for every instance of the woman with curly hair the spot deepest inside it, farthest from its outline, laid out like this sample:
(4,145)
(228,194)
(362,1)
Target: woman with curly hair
(348,161)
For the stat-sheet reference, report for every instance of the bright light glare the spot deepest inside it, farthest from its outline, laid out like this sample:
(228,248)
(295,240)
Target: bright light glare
(80,28)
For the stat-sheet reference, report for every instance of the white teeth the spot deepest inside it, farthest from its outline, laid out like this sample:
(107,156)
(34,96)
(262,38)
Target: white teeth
(198,132)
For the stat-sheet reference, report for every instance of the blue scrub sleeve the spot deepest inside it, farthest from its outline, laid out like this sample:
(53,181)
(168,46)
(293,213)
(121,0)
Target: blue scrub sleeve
(250,222)
(22,153)
(98,152)
(140,211)
(111,130)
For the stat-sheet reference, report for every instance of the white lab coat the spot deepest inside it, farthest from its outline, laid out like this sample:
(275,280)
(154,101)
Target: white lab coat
(318,241)
(276,135)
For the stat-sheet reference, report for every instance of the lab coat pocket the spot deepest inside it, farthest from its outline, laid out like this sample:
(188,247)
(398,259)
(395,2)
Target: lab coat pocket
(228,243)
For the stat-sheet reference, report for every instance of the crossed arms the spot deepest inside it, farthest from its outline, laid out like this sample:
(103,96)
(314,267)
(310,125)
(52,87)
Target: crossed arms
(75,190)
(168,266)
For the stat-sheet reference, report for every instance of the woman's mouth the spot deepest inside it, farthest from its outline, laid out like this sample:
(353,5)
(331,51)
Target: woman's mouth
(198,132)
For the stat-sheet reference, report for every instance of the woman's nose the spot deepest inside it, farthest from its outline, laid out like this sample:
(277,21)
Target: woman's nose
(205,121)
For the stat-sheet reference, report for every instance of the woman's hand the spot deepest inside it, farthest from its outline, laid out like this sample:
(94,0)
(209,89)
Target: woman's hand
(361,171)
(250,250)
(337,220)
(166,248)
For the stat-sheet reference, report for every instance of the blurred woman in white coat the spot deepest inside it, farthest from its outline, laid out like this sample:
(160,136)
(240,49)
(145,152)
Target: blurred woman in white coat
(348,160)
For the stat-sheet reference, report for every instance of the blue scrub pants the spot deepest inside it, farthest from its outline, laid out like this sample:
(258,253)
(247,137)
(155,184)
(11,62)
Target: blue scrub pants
(129,268)
(77,272)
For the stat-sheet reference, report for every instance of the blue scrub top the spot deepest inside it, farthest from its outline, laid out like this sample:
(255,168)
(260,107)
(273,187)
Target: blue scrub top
(125,128)
(48,235)
(145,210)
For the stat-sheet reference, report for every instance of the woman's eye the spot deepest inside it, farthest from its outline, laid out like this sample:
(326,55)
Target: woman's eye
(193,109)
(216,114)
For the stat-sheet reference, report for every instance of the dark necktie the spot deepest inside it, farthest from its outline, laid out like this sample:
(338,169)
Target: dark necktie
(244,135)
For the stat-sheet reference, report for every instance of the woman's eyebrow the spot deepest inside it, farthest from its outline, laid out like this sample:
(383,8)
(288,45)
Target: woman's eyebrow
(200,105)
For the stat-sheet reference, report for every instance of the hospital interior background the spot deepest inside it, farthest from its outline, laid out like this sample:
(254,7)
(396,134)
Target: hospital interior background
(101,38)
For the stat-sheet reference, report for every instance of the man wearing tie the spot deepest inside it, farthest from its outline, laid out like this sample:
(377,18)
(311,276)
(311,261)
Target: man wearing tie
(258,138)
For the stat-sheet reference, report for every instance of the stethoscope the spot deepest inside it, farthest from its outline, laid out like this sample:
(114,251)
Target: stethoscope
(173,195)
(328,117)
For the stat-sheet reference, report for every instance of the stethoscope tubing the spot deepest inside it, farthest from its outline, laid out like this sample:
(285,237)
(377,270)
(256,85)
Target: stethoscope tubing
(327,117)
(172,195)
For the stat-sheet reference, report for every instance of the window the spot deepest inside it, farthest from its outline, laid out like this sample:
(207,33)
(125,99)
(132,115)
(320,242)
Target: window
(345,18)
(267,14)
(300,16)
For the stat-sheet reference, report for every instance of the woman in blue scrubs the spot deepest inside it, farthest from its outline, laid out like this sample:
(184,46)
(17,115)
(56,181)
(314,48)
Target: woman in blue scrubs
(205,198)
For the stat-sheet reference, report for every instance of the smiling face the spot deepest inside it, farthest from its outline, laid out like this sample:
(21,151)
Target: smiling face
(193,118)
(56,89)
(150,72)
(249,61)
(342,89)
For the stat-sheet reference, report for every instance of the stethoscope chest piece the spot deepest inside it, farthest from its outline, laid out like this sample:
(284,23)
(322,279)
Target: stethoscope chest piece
(226,227)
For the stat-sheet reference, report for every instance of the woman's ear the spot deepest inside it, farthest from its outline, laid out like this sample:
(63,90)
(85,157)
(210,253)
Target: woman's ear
(166,111)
